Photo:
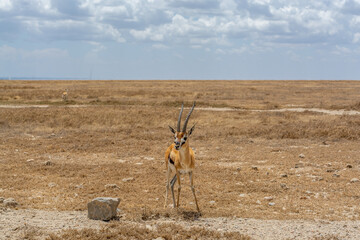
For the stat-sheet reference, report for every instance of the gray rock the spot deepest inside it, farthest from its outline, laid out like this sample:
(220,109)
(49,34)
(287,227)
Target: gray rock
(268,198)
(111,186)
(299,165)
(103,208)
(128,179)
(10,202)
(2,199)
(301,155)
(354,180)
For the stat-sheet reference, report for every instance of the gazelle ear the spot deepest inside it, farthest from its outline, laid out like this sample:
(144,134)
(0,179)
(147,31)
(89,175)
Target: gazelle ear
(172,130)
(191,130)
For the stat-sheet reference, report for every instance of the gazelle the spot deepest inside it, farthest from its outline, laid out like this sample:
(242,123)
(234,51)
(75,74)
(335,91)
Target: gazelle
(180,158)
(65,95)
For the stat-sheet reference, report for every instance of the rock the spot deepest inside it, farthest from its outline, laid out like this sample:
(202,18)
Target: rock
(336,175)
(111,186)
(254,168)
(128,179)
(212,202)
(284,175)
(48,163)
(10,202)
(299,165)
(242,195)
(349,166)
(2,199)
(301,155)
(103,208)
(52,185)
(268,198)
(258,202)
(30,160)
(79,186)
(354,180)
(283,186)
(159,238)
(330,170)
(271,204)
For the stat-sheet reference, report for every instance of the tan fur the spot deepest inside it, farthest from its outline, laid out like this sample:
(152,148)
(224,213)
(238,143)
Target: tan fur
(65,95)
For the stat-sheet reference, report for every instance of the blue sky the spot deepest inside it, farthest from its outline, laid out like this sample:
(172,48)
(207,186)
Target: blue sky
(180,39)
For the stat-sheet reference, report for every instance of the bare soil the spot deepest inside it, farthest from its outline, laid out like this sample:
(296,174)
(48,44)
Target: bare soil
(259,166)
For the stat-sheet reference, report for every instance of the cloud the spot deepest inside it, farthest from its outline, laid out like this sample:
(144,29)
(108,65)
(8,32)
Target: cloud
(202,23)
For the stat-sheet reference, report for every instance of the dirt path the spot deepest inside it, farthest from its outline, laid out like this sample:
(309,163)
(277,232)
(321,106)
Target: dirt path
(318,110)
(17,224)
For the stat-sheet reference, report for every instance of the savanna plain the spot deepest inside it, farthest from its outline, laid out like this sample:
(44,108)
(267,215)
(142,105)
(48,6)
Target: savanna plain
(274,159)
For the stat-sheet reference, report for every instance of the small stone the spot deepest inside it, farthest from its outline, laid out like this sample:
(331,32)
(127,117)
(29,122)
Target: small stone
(336,175)
(354,180)
(212,202)
(258,202)
(2,199)
(79,186)
(284,175)
(111,186)
(103,208)
(30,160)
(254,168)
(309,192)
(48,163)
(271,203)
(159,238)
(268,198)
(52,185)
(301,155)
(283,186)
(330,170)
(299,165)
(349,166)
(128,179)
(238,169)
(242,195)
(10,202)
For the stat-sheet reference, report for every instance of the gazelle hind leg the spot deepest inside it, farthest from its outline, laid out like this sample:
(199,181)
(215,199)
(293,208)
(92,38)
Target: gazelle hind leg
(193,190)
(172,183)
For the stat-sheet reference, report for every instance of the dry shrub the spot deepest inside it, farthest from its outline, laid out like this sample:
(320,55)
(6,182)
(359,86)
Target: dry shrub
(331,127)
(140,231)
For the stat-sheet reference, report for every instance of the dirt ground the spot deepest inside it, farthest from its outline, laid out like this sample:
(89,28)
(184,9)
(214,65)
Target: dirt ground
(258,163)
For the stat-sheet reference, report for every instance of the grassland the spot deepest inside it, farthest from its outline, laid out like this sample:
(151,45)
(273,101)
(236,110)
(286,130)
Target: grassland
(60,156)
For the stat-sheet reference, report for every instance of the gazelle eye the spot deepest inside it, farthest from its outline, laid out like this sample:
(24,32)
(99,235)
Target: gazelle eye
(185,138)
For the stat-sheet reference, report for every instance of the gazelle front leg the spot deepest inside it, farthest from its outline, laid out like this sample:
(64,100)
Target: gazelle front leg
(167,185)
(179,188)
(193,190)
(172,183)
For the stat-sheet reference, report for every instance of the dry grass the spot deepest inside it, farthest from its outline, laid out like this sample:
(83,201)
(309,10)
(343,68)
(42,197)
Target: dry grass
(120,130)
(168,231)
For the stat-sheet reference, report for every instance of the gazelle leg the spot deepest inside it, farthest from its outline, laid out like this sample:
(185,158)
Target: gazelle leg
(193,190)
(172,183)
(167,185)
(179,188)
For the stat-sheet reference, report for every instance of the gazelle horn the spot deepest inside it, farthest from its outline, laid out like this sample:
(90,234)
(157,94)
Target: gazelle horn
(187,118)
(179,120)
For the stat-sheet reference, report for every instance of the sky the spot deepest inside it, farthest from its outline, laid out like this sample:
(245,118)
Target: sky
(180,39)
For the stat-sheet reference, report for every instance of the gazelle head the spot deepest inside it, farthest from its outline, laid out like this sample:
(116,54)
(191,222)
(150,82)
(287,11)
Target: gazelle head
(181,137)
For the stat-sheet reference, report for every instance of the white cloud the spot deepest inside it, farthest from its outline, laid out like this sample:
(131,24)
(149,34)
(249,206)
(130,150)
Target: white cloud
(202,23)
(5,5)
